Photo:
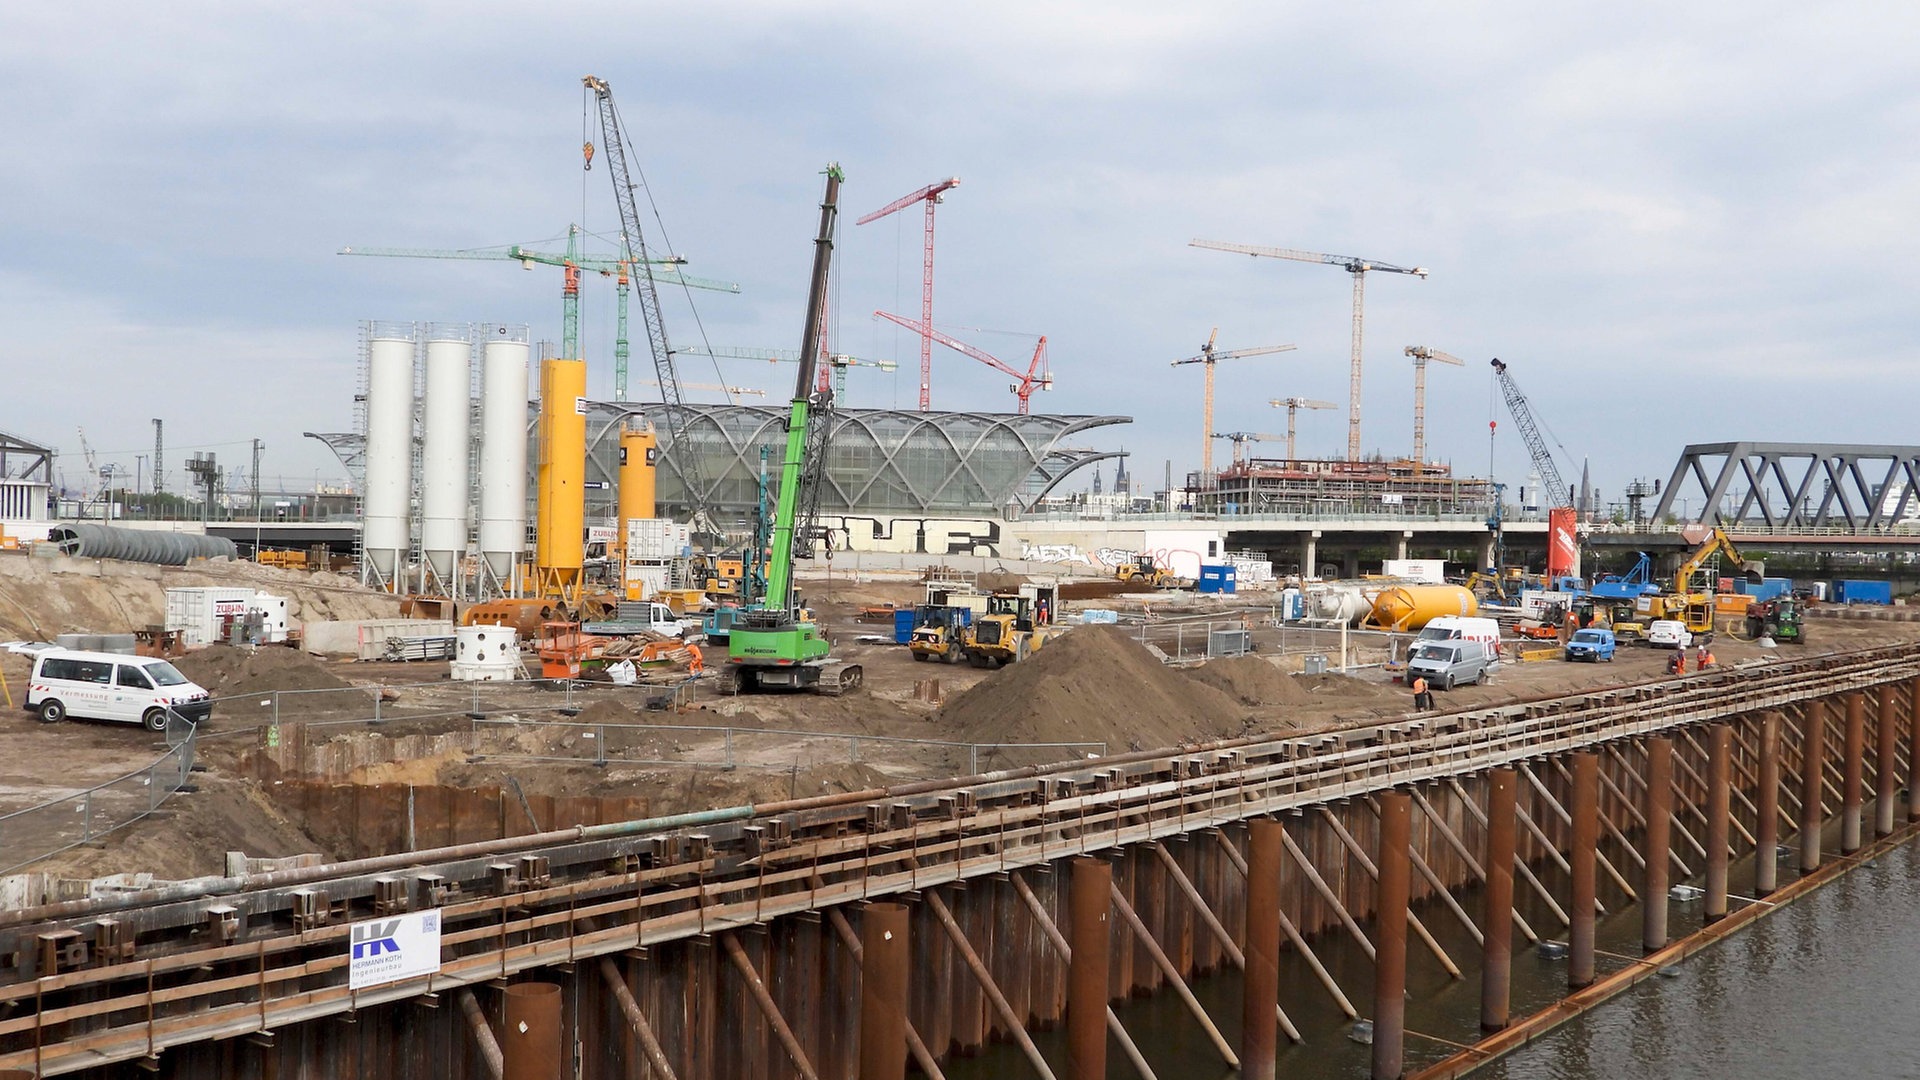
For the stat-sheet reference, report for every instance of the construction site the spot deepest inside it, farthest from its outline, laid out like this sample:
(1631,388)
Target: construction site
(640,735)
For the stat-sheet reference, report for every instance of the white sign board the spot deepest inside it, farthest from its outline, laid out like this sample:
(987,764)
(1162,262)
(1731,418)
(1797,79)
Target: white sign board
(394,949)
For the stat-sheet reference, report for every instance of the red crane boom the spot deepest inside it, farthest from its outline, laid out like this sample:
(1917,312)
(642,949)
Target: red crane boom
(932,195)
(1036,377)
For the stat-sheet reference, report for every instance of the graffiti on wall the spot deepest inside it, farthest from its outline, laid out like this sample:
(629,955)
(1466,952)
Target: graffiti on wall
(917,536)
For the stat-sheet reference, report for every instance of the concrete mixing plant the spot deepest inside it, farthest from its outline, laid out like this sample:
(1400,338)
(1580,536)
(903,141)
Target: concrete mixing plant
(446,442)
(386,502)
(503,459)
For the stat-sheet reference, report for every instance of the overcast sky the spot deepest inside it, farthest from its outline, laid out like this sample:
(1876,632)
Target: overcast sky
(1677,223)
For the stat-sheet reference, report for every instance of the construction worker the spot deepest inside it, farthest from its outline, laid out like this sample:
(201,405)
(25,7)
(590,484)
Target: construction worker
(1705,659)
(1422,696)
(1677,663)
(696,663)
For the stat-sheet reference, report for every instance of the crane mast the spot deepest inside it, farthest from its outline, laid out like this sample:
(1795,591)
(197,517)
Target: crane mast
(1530,433)
(634,244)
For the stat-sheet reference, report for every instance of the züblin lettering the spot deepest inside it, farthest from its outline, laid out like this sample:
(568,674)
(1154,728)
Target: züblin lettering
(377,938)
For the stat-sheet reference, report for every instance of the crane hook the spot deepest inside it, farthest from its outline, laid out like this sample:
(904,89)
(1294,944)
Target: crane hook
(586,151)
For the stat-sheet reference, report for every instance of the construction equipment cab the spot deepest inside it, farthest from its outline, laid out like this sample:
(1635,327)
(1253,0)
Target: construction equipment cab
(108,686)
(1143,568)
(939,632)
(1014,627)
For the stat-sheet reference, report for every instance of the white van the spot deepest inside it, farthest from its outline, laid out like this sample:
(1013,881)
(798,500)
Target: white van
(109,686)
(1450,627)
(1447,664)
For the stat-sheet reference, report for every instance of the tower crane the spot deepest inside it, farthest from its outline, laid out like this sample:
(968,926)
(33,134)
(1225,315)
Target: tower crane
(623,271)
(1354,265)
(1557,494)
(1421,354)
(1293,405)
(1036,377)
(93,465)
(719,388)
(1240,439)
(633,246)
(1209,357)
(932,195)
(839,362)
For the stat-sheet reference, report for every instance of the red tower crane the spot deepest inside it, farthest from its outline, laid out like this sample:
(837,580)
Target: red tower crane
(1036,377)
(933,195)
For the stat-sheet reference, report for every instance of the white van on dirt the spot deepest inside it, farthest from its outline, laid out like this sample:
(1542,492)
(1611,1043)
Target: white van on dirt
(1464,627)
(109,686)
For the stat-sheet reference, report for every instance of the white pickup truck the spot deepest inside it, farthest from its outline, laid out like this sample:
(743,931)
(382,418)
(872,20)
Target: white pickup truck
(655,618)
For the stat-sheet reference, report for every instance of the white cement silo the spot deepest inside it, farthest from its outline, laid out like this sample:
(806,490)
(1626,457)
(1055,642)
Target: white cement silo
(503,453)
(388,493)
(445,443)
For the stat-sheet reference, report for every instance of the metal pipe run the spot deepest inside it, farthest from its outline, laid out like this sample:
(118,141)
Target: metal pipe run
(1852,775)
(1813,764)
(1089,922)
(1886,779)
(1259,1044)
(531,1050)
(768,1009)
(1658,840)
(1582,902)
(1496,965)
(884,962)
(1766,842)
(1719,811)
(1390,926)
(637,1021)
(490,1055)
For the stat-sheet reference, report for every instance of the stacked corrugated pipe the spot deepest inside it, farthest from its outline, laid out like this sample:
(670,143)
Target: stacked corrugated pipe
(139,545)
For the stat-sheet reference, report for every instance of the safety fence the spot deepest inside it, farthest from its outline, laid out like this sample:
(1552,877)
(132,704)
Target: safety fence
(82,817)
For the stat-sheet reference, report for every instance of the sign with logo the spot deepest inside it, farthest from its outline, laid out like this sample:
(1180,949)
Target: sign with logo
(394,949)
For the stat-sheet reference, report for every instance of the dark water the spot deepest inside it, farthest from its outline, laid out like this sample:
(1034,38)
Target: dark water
(1827,987)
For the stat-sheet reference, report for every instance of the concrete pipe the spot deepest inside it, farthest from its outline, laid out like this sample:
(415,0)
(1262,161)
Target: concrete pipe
(88,541)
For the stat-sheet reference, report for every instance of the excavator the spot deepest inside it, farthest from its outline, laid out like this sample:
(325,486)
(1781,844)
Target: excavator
(776,642)
(1690,599)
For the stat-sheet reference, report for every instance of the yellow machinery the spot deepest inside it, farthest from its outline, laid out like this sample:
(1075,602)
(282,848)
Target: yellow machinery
(1410,607)
(560,531)
(1144,568)
(1014,627)
(638,477)
(1692,597)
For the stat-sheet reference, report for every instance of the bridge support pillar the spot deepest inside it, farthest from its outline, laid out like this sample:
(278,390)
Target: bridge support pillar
(1350,565)
(1390,936)
(1259,1023)
(1886,776)
(531,1044)
(1766,831)
(884,956)
(1813,767)
(1089,922)
(1913,751)
(1585,811)
(1496,920)
(1852,771)
(1483,553)
(1401,543)
(1310,553)
(1658,810)
(1719,810)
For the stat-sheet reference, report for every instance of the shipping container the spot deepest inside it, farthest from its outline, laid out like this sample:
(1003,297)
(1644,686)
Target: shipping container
(1768,589)
(1217,579)
(1863,592)
(201,613)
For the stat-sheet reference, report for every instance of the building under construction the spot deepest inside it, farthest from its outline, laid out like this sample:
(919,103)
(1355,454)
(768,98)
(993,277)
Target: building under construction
(1344,488)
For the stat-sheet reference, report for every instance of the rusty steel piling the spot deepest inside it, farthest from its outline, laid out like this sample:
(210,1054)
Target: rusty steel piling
(1886,780)
(1853,767)
(1813,764)
(1090,897)
(1390,921)
(884,961)
(531,1047)
(1913,750)
(490,1053)
(1583,903)
(1719,814)
(1496,922)
(1766,860)
(1658,840)
(1258,1038)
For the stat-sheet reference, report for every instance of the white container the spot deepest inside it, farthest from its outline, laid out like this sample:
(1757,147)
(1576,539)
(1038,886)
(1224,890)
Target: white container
(1422,571)
(444,444)
(373,633)
(486,654)
(503,452)
(658,538)
(388,495)
(200,612)
(274,618)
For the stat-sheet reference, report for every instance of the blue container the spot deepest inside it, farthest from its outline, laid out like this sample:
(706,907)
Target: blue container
(1217,579)
(1769,589)
(1863,592)
(903,626)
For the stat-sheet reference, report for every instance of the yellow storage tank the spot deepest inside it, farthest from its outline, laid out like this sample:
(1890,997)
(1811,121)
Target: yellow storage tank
(560,538)
(638,450)
(1410,607)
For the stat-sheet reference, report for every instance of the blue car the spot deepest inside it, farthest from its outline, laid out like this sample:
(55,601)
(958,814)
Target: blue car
(1592,645)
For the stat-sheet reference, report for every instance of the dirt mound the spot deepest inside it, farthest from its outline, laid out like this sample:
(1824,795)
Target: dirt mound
(1092,684)
(247,678)
(1346,690)
(1251,680)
